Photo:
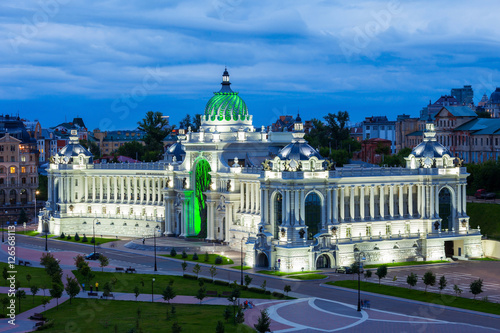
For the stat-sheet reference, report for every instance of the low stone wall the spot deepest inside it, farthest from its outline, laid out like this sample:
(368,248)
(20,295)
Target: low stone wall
(491,248)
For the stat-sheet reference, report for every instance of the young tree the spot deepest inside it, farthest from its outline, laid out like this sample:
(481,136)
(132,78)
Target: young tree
(412,280)
(22,217)
(457,290)
(213,272)
(136,292)
(207,257)
(184,266)
(248,280)
(263,323)
(476,287)
(429,279)
(103,262)
(263,285)
(442,283)
(168,293)
(381,272)
(86,273)
(227,313)
(56,292)
(107,289)
(72,287)
(196,269)
(176,328)
(45,301)
(79,261)
(19,295)
(240,316)
(220,327)
(201,294)
(28,277)
(287,289)
(368,274)
(34,291)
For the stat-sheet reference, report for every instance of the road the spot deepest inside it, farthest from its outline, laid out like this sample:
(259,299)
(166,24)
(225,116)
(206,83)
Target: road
(144,262)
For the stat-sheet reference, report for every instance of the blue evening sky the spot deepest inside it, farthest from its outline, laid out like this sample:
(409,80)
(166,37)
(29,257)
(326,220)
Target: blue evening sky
(110,61)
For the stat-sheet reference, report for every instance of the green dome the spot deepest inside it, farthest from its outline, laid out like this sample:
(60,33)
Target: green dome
(226,104)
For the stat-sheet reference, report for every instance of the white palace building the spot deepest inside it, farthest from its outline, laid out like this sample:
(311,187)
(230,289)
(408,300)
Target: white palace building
(270,192)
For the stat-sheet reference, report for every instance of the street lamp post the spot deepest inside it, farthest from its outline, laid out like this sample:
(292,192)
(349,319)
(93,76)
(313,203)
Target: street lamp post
(152,289)
(45,226)
(154,241)
(234,309)
(93,229)
(359,283)
(36,193)
(2,226)
(241,257)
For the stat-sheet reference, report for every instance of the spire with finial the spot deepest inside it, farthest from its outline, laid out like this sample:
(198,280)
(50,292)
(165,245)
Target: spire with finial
(225,82)
(298,126)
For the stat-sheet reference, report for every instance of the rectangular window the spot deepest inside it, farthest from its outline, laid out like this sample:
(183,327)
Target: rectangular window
(23,158)
(1,158)
(368,230)
(12,148)
(12,169)
(23,169)
(12,159)
(382,127)
(1,148)
(348,232)
(89,209)
(388,230)
(368,127)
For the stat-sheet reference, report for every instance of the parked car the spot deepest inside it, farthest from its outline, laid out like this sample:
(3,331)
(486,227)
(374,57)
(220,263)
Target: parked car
(344,270)
(482,194)
(93,256)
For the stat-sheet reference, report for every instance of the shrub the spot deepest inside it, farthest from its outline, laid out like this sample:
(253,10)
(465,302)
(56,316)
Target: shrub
(195,256)
(173,253)
(68,237)
(84,239)
(77,238)
(184,254)
(268,292)
(205,280)
(207,257)
(256,290)
(62,235)
(92,240)
(218,260)
(221,283)
(190,276)
(277,294)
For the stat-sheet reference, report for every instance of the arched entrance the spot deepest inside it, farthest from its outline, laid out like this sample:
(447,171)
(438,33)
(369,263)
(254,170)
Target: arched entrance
(278,218)
(323,261)
(24,196)
(262,260)
(202,182)
(12,197)
(445,208)
(313,214)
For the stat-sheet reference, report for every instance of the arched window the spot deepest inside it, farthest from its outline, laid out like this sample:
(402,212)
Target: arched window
(278,218)
(445,208)
(313,214)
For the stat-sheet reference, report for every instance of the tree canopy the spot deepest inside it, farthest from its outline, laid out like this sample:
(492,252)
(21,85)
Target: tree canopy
(156,128)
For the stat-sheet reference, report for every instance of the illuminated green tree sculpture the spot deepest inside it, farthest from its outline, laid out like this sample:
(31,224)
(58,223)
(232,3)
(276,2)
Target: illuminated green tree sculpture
(203,178)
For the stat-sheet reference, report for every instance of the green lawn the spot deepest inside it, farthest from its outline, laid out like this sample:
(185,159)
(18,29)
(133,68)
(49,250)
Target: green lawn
(311,276)
(102,316)
(39,277)
(279,273)
(26,303)
(486,216)
(429,297)
(407,263)
(239,267)
(182,286)
(201,258)
(98,240)
(486,259)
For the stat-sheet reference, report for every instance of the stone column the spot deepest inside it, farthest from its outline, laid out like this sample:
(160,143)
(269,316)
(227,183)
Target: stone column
(362,202)
(328,206)
(101,189)
(148,189)
(352,206)
(464,200)
(372,202)
(419,200)
(431,199)
(252,197)
(108,188)
(141,186)
(335,218)
(342,204)
(229,222)
(153,190)
(247,197)
(302,205)
(263,216)
(459,200)
(401,202)
(122,189)
(410,200)
(94,190)
(86,189)
(436,202)
(422,202)
(382,202)
(391,200)
(257,197)
(242,195)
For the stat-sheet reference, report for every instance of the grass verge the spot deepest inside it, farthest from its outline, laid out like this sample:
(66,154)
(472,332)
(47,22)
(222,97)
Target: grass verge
(89,315)
(39,276)
(239,267)
(278,273)
(311,276)
(201,258)
(26,303)
(408,263)
(182,286)
(485,259)
(98,240)
(418,295)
